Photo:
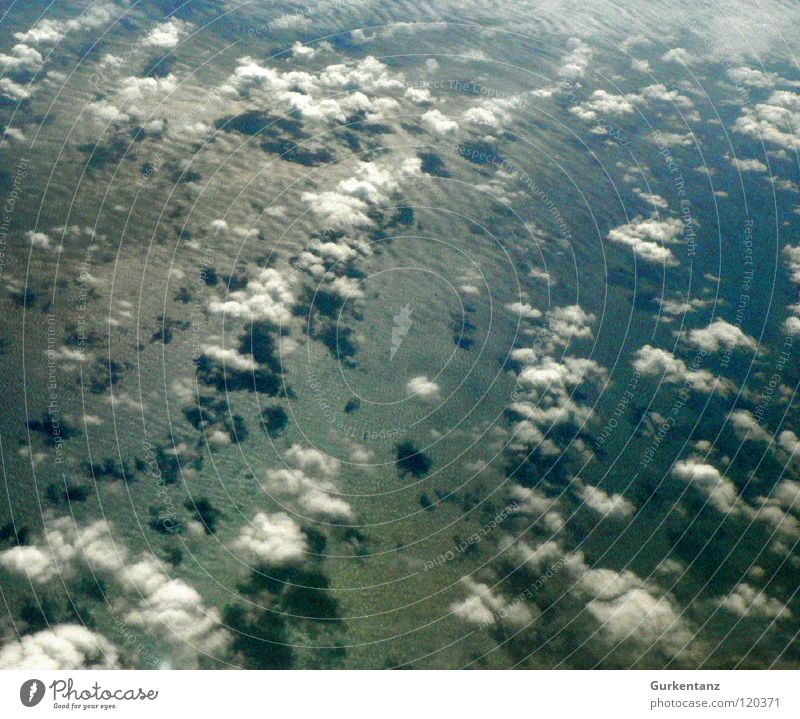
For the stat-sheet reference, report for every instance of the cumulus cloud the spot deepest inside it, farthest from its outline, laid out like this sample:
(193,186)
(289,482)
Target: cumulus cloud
(790,443)
(577,61)
(637,615)
(13,90)
(648,238)
(677,55)
(721,334)
(22,57)
(63,646)
(230,357)
(67,546)
(792,255)
(486,116)
(151,599)
(132,89)
(655,362)
(306,484)
(707,480)
(306,51)
(437,122)
(744,165)
(44,31)
(619,606)
(602,102)
(38,239)
(268,296)
(346,207)
(779,510)
(175,606)
(312,460)
(747,426)
(545,398)
(661,93)
(337,210)
(166,35)
(524,310)
(655,200)
(677,308)
(609,505)
(752,77)
(568,323)
(128,99)
(50,31)
(271,540)
(364,85)
(483,607)
(423,388)
(773,121)
(746,601)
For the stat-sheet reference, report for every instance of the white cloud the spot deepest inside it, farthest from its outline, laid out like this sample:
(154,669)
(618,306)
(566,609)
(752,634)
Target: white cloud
(176,607)
(639,616)
(108,113)
(568,323)
(746,601)
(66,545)
(677,55)
(166,35)
(38,239)
(44,31)
(132,89)
(752,77)
(676,308)
(483,606)
(577,61)
(13,90)
(790,443)
(490,115)
(268,296)
(792,255)
(620,606)
(348,205)
(310,459)
(545,397)
(655,362)
(721,334)
(162,603)
(22,57)
(648,238)
(744,165)
(609,505)
(50,31)
(439,123)
(746,425)
(310,94)
(300,50)
(314,495)
(423,388)
(272,540)
(230,357)
(524,310)
(655,200)
(673,139)
(63,646)
(774,121)
(337,210)
(660,93)
(707,479)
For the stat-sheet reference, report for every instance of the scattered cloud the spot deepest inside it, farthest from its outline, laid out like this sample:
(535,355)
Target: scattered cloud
(423,388)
